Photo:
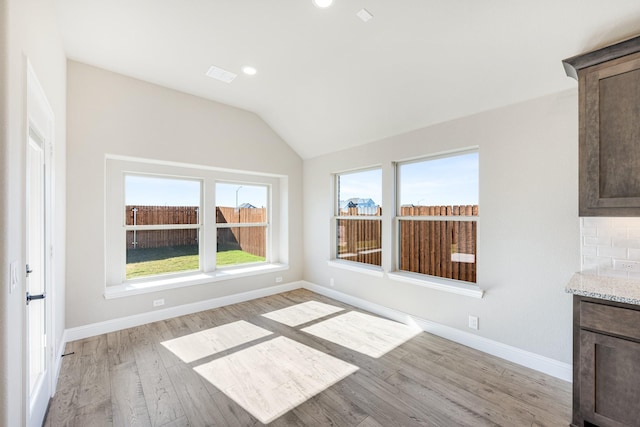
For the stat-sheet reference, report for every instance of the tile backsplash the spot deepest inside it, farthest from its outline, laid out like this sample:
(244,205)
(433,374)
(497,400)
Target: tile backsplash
(606,240)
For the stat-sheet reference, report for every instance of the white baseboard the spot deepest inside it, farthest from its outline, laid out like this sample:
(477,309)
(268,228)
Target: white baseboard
(555,368)
(57,362)
(100,328)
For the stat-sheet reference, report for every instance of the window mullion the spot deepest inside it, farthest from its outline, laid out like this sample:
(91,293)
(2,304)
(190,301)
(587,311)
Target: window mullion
(367,218)
(162,227)
(241,224)
(439,218)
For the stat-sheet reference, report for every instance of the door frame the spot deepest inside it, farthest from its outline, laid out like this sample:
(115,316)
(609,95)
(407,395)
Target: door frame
(40,120)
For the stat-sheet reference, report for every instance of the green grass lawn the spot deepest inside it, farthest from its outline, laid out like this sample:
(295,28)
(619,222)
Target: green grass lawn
(236,257)
(150,262)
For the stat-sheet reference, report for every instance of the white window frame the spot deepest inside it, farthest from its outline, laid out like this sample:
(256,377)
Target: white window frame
(430,281)
(117,167)
(221,225)
(335,260)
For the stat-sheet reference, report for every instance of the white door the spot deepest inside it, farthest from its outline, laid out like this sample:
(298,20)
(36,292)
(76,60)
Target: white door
(38,358)
(36,285)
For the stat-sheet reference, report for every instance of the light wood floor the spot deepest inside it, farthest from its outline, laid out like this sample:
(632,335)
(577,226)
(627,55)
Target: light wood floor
(129,378)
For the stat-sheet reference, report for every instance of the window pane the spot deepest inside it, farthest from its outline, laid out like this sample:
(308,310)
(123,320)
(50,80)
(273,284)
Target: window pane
(359,240)
(156,200)
(446,186)
(443,182)
(360,193)
(241,204)
(152,252)
(241,245)
(244,203)
(439,248)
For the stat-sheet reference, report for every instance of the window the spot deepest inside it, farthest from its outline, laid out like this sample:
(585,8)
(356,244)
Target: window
(169,225)
(428,190)
(162,225)
(359,217)
(241,223)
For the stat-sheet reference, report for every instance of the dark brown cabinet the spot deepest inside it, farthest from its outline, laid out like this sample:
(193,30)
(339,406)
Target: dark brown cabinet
(609,132)
(606,363)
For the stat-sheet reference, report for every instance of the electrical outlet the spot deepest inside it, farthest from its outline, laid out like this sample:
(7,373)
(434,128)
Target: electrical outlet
(625,265)
(473,322)
(158,302)
(279,279)
(332,282)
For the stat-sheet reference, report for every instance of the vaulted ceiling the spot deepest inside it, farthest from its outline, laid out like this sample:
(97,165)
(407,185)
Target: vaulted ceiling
(325,79)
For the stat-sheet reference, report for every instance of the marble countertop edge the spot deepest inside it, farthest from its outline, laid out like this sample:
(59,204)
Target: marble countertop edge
(606,288)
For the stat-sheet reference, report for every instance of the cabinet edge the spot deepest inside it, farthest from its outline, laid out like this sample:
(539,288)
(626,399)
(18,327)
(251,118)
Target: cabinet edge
(576,63)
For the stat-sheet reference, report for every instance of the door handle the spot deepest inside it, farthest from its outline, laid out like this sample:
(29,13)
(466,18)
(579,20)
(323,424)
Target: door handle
(33,297)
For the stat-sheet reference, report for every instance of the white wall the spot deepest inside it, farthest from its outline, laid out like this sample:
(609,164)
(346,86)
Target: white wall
(113,114)
(27,30)
(528,233)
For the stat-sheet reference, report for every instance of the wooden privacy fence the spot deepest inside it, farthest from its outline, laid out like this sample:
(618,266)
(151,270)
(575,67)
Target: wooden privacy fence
(146,239)
(439,248)
(248,239)
(359,239)
(161,215)
(156,215)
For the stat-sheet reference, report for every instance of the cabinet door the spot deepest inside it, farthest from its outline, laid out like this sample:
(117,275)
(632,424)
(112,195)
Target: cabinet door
(609,380)
(610,139)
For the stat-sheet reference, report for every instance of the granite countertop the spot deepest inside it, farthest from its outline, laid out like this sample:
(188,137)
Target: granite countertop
(608,288)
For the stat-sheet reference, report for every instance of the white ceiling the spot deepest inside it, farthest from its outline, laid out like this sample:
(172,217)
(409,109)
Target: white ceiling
(326,80)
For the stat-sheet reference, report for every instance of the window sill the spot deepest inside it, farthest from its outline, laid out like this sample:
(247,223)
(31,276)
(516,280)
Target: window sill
(358,267)
(197,278)
(431,282)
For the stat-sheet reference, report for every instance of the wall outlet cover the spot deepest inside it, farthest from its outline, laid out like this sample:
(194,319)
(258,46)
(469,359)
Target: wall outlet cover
(473,322)
(626,265)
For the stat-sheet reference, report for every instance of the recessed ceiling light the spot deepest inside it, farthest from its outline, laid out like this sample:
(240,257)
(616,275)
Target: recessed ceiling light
(220,74)
(322,3)
(249,71)
(364,14)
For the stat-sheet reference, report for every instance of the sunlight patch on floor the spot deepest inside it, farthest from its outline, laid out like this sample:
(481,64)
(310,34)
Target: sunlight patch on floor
(363,333)
(302,313)
(273,377)
(211,341)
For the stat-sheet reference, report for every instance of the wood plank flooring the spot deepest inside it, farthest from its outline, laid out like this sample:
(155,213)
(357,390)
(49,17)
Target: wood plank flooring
(129,378)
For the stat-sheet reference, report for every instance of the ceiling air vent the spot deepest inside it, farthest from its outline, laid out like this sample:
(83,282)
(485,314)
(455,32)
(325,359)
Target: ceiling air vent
(364,15)
(220,74)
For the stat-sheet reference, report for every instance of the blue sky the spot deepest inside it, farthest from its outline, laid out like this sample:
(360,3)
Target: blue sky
(363,185)
(151,191)
(254,194)
(445,181)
